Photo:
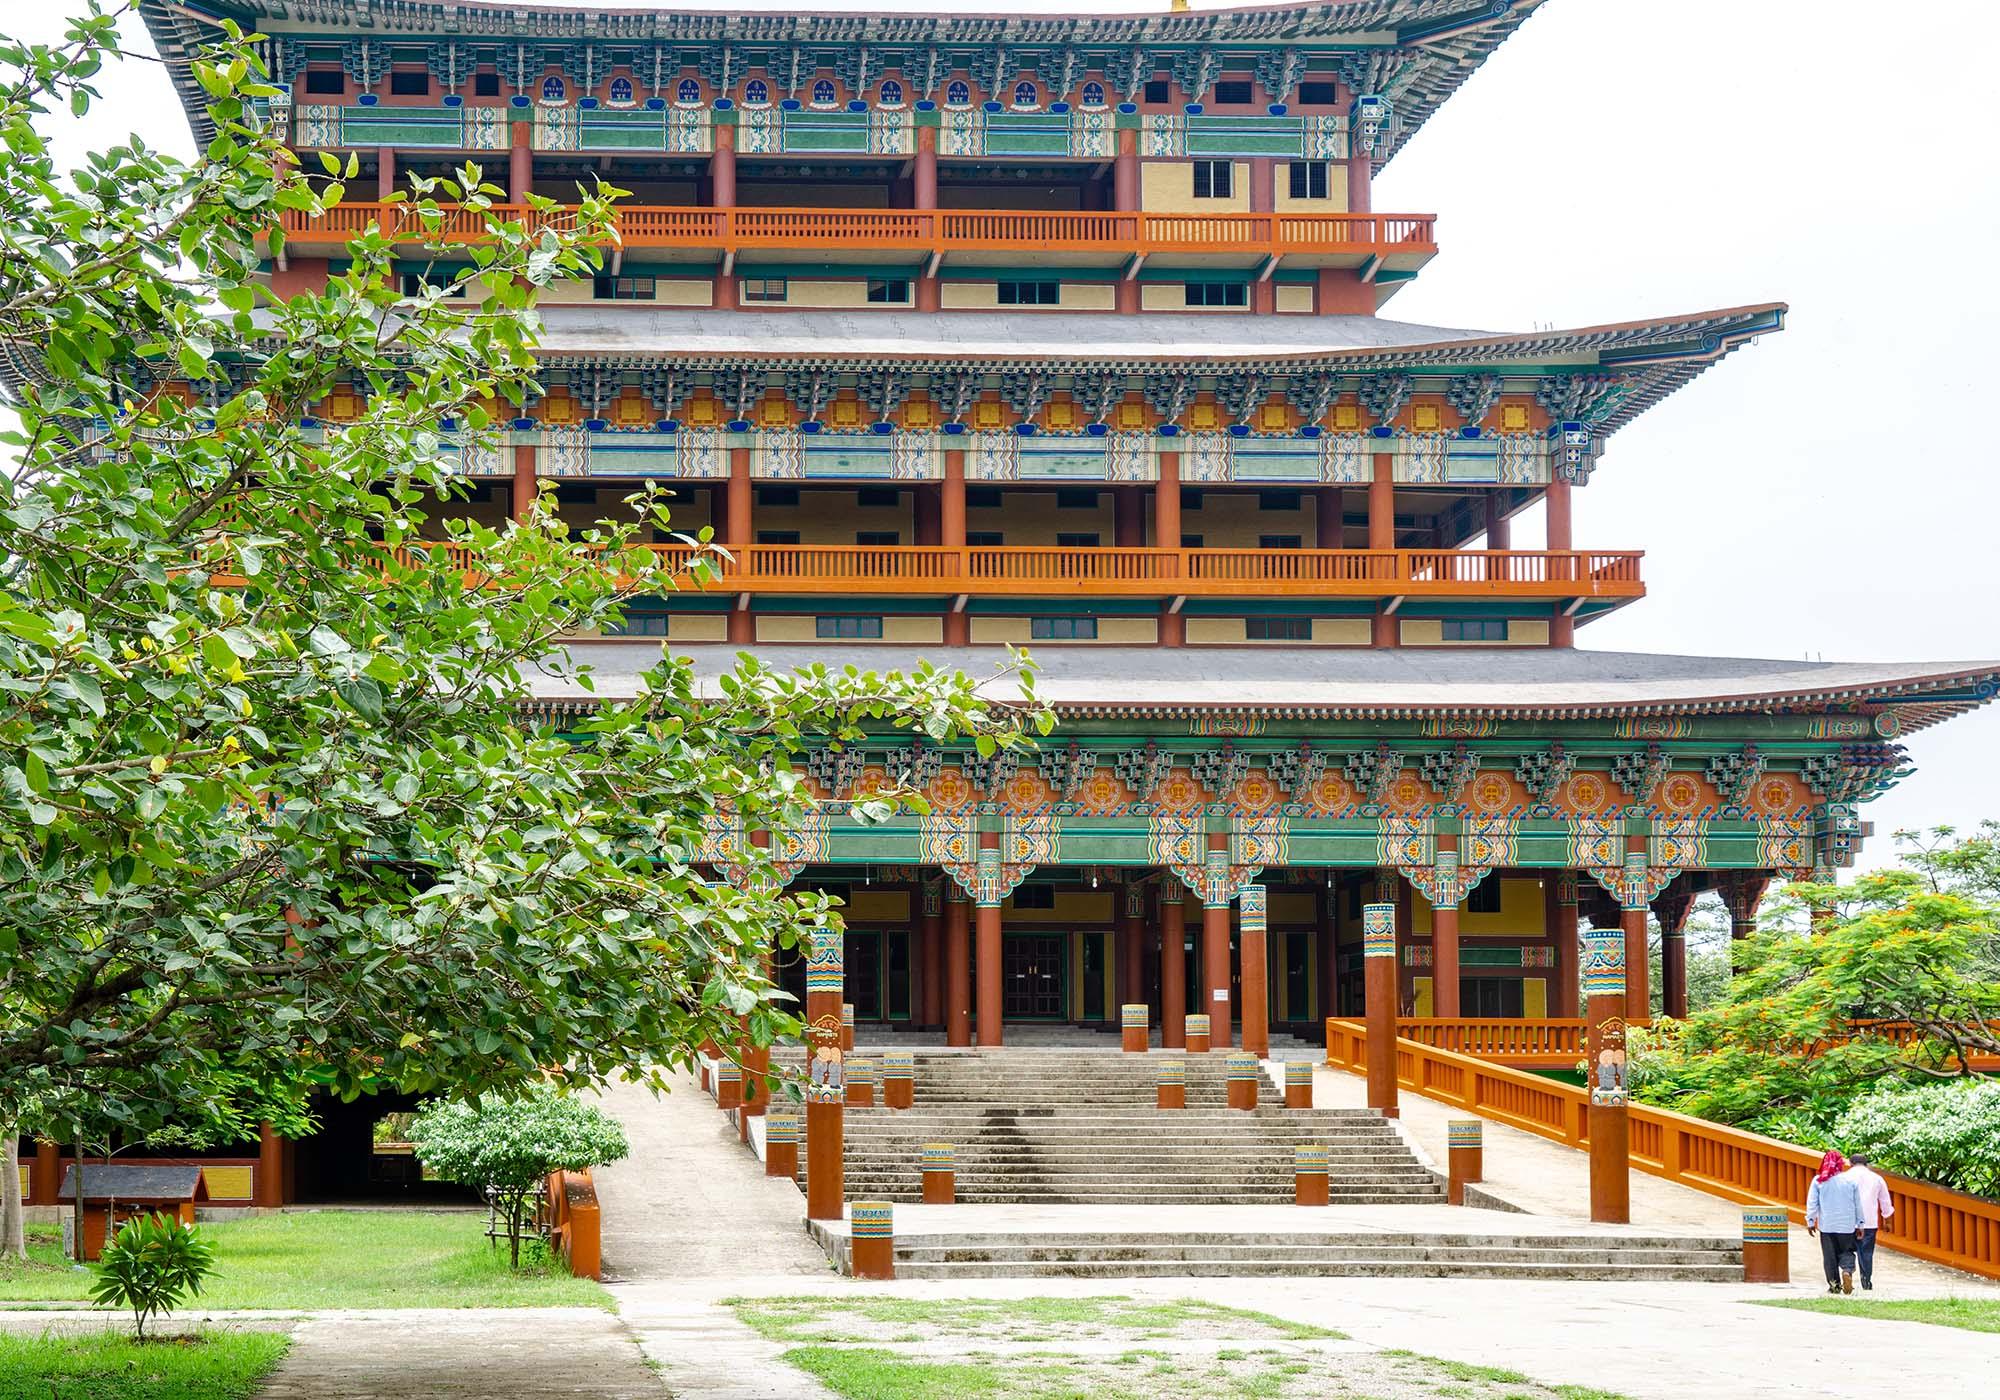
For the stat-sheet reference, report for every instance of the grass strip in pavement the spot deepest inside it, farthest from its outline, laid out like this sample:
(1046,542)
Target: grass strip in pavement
(1970,1314)
(817,1318)
(107,1365)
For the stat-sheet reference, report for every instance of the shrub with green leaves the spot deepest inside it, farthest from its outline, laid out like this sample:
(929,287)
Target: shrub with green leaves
(1948,1133)
(508,1147)
(152,1265)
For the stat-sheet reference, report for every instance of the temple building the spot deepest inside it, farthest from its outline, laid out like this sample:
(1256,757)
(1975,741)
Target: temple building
(1075,332)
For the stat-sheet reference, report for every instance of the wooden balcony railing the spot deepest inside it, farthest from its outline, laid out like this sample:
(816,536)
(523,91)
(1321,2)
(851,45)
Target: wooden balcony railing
(922,231)
(1557,1042)
(1945,1227)
(1036,571)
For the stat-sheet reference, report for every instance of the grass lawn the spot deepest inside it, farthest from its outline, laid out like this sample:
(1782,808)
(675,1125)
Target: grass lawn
(1972,1314)
(336,1259)
(878,1319)
(111,1366)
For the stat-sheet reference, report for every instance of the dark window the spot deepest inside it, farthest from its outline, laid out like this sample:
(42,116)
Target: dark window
(1213,179)
(640,624)
(1316,94)
(1190,498)
(327,82)
(1076,499)
(837,628)
(984,539)
(1062,629)
(1233,91)
(576,495)
(1076,539)
(410,84)
(623,288)
(764,289)
(1278,629)
(1030,293)
(1308,179)
(485,84)
(777,537)
(1484,897)
(877,537)
(415,284)
(777,495)
(891,290)
(1035,897)
(1277,500)
(1158,90)
(982,498)
(1279,542)
(878,496)
(1217,294)
(1190,541)
(1475,629)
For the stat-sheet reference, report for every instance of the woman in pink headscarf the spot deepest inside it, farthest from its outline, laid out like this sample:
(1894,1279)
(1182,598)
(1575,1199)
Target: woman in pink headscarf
(1833,1212)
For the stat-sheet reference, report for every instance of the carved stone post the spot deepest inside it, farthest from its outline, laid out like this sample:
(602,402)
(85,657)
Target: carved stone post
(826,1076)
(899,1078)
(1767,1247)
(1197,1033)
(860,1082)
(1135,1025)
(1298,1084)
(1378,950)
(1604,1023)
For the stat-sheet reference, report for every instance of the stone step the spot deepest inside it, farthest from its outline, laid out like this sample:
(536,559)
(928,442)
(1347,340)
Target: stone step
(1306,1253)
(1347,1268)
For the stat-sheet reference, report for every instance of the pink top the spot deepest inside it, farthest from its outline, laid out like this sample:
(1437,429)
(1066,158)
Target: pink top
(1875,1203)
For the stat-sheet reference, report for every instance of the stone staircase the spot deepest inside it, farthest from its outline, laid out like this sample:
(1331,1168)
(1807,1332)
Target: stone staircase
(1066,1126)
(1238,1254)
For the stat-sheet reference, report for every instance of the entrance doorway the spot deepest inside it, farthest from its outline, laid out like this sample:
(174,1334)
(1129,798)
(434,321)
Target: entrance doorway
(878,974)
(1488,997)
(1034,982)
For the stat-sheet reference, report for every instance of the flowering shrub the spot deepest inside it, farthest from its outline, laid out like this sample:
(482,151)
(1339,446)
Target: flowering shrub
(1948,1133)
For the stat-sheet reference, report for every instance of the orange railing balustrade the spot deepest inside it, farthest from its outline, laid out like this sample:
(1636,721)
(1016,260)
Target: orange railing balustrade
(1543,1043)
(1945,1227)
(1033,570)
(938,231)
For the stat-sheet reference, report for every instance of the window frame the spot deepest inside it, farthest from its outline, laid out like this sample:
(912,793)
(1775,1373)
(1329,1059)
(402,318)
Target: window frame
(760,290)
(1062,627)
(1039,292)
(888,284)
(598,285)
(1489,629)
(1235,86)
(1302,175)
(1205,172)
(1277,629)
(1216,296)
(409,83)
(847,627)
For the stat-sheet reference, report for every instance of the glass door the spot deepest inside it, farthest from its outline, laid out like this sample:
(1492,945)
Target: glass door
(1034,985)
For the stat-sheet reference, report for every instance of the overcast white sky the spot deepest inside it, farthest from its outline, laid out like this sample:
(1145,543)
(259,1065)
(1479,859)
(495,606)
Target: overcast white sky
(1828,492)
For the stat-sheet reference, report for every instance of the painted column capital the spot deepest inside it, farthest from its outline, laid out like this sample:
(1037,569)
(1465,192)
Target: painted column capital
(1378,930)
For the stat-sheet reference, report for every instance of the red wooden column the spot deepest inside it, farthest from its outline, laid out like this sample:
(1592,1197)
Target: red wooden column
(1125,172)
(989,947)
(1378,948)
(1562,627)
(1251,931)
(1132,945)
(1632,916)
(1326,937)
(385,172)
(1604,1059)
(1559,896)
(1387,631)
(270,1184)
(1444,930)
(957,968)
(722,167)
(930,948)
(1329,517)
(826,1076)
(951,520)
(1672,913)
(1167,535)
(520,162)
(526,484)
(1173,965)
(1215,957)
(1742,896)
(1360,179)
(45,1177)
(739,537)
(923,195)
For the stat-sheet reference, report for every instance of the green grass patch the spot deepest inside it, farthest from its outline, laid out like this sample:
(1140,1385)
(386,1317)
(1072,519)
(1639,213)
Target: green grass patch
(111,1366)
(878,1319)
(338,1259)
(1970,1314)
(868,1373)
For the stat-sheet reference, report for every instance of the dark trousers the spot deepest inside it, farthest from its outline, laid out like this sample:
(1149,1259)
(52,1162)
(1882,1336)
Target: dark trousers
(1837,1253)
(1866,1253)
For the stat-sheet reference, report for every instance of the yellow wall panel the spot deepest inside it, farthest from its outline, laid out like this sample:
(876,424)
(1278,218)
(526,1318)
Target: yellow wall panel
(1535,998)
(229,1183)
(913,629)
(878,906)
(1214,631)
(1521,914)
(1128,631)
(1342,631)
(787,629)
(698,627)
(1294,297)
(1167,186)
(990,631)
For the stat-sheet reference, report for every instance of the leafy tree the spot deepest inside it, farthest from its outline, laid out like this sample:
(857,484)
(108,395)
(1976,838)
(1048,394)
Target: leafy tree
(1948,1133)
(507,1148)
(274,807)
(151,1265)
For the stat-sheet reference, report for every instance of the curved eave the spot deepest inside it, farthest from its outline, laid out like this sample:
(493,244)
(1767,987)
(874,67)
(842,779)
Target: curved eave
(1444,41)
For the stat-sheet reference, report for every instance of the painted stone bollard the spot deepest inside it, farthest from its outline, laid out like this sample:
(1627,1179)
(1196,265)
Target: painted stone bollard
(781,1144)
(846,1025)
(1244,1072)
(1767,1247)
(940,1174)
(1466,1160)
(1309,1181)
(899,1079)
(1136,1023)
(728,1085)
(1298,1084)
(1173,1082)
(1197,1034)
(860,1083)
(872,1239)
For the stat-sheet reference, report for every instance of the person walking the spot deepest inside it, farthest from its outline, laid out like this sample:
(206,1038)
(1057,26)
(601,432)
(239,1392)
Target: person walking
(1876,1207)
(1833,1213)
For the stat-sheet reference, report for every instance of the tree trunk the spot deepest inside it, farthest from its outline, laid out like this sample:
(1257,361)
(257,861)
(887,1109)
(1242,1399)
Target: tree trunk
(13,1220)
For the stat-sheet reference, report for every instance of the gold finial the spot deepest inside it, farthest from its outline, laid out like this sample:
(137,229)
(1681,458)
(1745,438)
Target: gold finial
(1180,7)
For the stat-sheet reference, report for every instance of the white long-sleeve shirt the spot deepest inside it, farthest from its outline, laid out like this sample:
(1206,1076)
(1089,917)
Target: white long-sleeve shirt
(1876,1206)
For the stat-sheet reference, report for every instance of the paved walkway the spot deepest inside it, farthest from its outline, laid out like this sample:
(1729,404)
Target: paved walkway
(1546,1178)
